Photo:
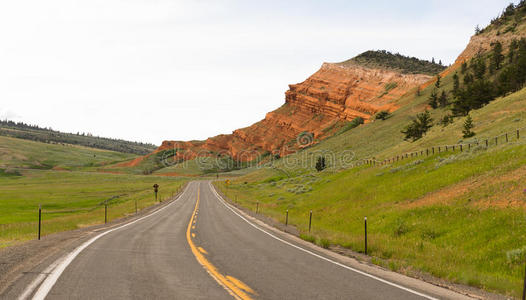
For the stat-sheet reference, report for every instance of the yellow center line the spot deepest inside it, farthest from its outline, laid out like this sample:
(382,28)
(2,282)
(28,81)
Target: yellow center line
(234,286)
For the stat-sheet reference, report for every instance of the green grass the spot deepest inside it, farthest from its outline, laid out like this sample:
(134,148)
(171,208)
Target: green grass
(71,200)
(419,216)
(19,153)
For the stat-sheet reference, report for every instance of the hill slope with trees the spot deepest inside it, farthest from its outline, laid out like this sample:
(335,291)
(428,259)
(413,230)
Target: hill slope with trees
(47,135)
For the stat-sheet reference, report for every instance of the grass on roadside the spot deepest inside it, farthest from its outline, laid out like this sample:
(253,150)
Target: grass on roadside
(71,200)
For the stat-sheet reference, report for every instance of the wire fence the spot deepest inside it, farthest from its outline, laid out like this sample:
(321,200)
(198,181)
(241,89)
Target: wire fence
(503,138)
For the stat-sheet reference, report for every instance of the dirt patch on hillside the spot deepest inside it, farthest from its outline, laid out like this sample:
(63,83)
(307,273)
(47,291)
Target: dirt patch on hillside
(491,191)
(174,174)
(132,163)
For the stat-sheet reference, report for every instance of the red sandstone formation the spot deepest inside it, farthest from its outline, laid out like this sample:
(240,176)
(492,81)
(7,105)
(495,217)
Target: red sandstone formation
(319,106)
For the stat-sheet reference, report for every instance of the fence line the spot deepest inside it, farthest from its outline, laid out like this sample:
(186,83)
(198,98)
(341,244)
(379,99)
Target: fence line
(487,142)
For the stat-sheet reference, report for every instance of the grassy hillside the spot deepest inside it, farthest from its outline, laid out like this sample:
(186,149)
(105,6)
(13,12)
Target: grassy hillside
(464,210)
(71,200)
(19,153)
(47,135)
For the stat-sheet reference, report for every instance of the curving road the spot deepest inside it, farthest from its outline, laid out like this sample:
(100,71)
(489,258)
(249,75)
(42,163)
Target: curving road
(200,247)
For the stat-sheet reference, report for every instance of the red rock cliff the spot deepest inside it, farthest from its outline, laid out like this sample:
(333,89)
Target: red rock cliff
(319,105)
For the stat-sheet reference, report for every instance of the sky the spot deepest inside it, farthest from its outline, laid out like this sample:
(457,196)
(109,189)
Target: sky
(154,70)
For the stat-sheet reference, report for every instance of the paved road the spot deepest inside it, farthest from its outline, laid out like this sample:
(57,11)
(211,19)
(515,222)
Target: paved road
(199,247)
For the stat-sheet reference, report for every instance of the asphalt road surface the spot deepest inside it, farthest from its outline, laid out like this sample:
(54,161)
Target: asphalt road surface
(200,247)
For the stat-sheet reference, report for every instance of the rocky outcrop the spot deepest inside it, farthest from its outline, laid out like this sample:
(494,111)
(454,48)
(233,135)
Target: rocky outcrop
(484,42)
(313,110)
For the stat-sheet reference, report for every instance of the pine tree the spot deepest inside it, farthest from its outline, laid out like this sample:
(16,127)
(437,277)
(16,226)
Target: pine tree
(464,68)
(433,99)
(478,65)
(418,127)
(456,84)
(437,83)
(468,79)
(511,53)
(468,125)
(320,164)
(443,99)
(497,57)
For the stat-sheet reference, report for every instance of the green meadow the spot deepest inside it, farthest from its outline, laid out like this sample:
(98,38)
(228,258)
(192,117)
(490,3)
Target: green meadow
(71,199)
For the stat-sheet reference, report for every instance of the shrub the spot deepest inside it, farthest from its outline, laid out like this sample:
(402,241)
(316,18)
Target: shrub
(308,238)
(382,115)
(401,228)
(446,120)
(320,164)
(516,256)
(353,124)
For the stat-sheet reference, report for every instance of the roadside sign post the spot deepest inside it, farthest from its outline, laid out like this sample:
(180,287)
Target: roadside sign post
(310,220)
(365,223)
(287,218)
(524,287)
(39,220)
(155,190)
(105,212)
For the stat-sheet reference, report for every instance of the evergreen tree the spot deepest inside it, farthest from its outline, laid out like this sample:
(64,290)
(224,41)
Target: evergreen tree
(433,99)
(446,120)
(468,79)
(509,11)
(496,57)
(418,127)
(456,84)
(464,68)
(477,30)
(320,164)
(437,83)
(478,65)
(473,96)
(443,99)
(468,125)
(511,53)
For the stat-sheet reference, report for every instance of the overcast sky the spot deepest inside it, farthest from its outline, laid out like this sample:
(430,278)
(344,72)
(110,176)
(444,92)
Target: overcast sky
(154,70)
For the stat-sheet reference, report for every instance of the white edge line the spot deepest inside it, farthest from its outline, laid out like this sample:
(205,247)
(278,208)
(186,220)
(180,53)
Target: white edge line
(56,268)
(317,255)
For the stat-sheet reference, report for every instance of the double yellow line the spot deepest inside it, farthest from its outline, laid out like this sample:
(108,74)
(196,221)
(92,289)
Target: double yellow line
(234,286)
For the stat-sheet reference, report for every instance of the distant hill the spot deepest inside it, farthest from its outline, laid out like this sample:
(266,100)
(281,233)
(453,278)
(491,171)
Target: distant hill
(25,154)
(383,59)
(46,135)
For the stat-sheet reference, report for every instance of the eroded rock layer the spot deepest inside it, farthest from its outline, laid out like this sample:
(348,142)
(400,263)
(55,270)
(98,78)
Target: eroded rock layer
(313,110)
